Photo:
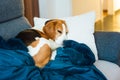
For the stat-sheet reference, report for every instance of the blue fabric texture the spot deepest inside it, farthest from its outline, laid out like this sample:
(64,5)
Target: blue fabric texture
(108,46)
(74,61)
(15,62)
(13,44)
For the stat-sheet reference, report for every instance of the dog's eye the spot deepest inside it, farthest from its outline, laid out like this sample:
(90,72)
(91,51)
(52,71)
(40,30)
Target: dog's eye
(59,31)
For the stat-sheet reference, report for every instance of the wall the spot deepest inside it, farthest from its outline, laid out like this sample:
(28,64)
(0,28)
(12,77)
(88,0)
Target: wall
(55,8)
(82,6)
(111,6)
(105,4)
(116,5)
(65,8)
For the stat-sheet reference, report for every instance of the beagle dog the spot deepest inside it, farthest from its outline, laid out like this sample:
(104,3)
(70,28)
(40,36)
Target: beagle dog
(41,43)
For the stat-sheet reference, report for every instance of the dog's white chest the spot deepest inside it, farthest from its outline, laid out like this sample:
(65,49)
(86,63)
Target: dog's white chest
(35,50)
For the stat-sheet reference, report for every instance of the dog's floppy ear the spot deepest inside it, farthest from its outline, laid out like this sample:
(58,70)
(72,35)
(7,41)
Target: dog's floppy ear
(49,29)
(48,21)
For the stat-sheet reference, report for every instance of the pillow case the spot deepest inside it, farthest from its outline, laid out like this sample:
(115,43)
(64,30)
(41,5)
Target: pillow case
(108,46)
(81,28)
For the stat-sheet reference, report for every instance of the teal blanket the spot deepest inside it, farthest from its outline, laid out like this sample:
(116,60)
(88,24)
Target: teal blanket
(74,61)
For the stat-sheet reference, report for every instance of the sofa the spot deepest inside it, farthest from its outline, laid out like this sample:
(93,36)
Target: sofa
(12,21)
(109,54)
(12,15)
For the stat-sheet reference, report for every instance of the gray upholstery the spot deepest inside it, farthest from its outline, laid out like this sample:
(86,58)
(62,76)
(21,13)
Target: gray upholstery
(12,19)
(108,46)
(10,9)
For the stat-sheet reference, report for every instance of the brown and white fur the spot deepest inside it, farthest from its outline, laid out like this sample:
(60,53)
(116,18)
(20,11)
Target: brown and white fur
(41,43)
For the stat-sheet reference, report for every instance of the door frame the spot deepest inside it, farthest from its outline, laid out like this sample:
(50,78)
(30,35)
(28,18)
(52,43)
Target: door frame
(31,10)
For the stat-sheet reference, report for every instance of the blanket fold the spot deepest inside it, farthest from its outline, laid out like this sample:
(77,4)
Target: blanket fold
(79,53)
(74,61)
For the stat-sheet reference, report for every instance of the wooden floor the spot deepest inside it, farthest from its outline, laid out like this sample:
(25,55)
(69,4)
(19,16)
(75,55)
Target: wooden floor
(109,23)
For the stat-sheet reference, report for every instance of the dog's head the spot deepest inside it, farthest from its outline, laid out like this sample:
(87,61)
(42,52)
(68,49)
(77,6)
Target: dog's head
(56,30)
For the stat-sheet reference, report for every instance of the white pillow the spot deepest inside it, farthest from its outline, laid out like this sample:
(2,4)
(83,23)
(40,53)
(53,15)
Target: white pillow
(81,28)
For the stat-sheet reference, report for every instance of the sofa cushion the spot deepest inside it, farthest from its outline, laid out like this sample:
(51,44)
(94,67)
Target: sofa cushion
(108,46)
(11,28)
(10,9)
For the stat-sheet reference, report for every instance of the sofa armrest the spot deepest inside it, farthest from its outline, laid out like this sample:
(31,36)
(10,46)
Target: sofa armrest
(108,46)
